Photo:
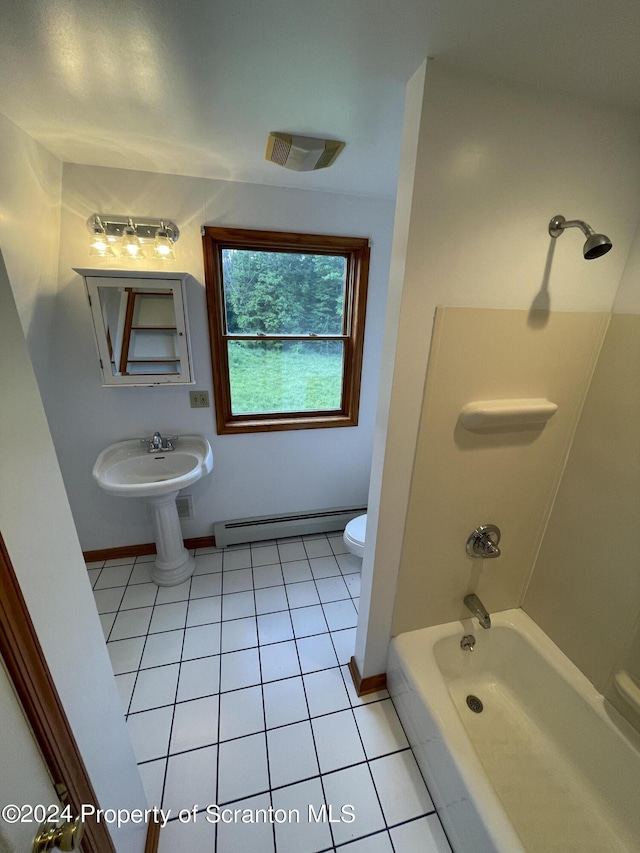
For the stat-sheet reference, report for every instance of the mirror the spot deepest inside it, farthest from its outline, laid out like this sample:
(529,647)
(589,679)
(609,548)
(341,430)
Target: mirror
(140,324)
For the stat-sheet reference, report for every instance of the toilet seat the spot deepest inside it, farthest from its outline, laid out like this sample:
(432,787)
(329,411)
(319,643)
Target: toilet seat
(354,535)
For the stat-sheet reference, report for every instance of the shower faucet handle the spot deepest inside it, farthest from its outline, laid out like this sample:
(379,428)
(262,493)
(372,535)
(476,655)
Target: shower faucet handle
(483,542)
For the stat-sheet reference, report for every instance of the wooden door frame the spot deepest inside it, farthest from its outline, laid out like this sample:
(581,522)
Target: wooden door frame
(28,670)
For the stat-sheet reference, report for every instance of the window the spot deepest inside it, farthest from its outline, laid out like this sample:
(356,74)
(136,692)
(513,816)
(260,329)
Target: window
(286,320)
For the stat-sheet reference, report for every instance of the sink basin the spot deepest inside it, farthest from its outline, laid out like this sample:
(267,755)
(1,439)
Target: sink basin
(126,468)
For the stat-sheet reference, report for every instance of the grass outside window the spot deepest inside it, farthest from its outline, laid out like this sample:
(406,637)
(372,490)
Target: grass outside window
(286,322)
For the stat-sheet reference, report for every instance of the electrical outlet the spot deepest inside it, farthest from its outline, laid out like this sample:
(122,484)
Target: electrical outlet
(199,399)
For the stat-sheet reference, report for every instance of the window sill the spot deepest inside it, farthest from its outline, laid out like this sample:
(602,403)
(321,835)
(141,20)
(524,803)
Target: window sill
(252,423)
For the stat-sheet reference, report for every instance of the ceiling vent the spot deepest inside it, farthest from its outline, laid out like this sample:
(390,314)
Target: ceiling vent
(302,153)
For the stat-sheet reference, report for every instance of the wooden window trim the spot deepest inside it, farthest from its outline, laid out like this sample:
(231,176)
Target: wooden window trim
(356,250)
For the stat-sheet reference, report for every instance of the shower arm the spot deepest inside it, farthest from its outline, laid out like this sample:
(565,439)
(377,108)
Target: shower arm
(559,223)
(595,245)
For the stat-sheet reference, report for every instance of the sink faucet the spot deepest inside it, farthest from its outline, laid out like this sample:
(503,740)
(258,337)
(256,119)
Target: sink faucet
(159,444)
(473,603)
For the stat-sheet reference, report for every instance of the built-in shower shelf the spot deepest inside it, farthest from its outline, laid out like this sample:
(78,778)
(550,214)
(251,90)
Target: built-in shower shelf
(505,414)
(628,688)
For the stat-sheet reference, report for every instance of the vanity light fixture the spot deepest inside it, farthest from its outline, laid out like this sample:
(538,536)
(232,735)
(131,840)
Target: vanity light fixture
(131,236)
(99,241)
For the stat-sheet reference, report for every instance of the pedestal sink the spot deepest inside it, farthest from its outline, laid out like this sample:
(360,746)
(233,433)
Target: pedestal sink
(128,469)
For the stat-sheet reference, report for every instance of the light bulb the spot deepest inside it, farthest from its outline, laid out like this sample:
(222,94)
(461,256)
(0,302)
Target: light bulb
(163,247)
(99,241)
(130,243)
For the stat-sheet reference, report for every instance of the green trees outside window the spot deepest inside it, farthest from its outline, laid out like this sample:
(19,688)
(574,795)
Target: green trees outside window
(286,319)
(283,293)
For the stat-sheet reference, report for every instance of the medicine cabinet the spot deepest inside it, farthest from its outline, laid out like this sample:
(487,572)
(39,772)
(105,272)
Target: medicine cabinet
(140,325)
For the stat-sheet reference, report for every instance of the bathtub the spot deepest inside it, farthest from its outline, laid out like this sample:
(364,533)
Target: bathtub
(547,765)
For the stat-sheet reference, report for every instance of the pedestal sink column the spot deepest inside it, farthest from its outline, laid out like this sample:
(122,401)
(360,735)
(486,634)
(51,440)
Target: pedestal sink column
(131,469)
(173,563)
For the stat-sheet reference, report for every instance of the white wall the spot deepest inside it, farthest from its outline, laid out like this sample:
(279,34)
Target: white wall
(627,299)
(35,517)
(253,474)
(30,180)
(36,523)
(374,608)
(494,164)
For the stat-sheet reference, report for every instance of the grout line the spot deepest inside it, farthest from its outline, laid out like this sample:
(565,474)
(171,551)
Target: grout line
(313,738)
(217,786)
(384,831)
(166,757)
(249,648)
(368,761)
(333,645)
(269,728)
(175,704)
(233,619)
(260,645)
(264,713)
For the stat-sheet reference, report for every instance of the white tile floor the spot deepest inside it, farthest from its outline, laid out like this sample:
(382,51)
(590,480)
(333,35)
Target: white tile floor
(236,693)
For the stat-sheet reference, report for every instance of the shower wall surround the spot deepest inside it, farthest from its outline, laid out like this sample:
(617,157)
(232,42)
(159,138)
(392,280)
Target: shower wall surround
(492,164)
(585,587)
(504,476)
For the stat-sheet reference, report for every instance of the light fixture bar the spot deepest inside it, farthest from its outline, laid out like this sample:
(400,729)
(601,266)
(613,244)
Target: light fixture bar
(145,228)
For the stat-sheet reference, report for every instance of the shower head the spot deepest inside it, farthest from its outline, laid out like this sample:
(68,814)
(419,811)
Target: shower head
(595,245)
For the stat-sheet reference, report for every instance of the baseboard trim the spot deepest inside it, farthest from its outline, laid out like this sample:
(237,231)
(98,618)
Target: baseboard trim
(200,542)
(153,837)
(117,553)
(371,684)
(143,550)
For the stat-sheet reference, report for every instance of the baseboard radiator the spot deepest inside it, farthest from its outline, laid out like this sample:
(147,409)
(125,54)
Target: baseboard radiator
(241,530)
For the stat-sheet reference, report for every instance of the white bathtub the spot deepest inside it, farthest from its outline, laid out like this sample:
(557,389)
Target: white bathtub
(548,765)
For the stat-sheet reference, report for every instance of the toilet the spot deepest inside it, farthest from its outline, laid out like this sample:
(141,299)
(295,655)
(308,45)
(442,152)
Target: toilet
(354,534)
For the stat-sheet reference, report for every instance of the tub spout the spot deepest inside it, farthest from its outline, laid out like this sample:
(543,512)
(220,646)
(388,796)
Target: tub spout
(473,603)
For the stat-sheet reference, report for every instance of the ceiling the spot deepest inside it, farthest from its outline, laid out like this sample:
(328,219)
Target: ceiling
(193,87)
